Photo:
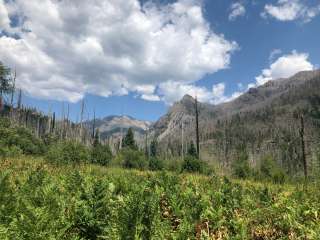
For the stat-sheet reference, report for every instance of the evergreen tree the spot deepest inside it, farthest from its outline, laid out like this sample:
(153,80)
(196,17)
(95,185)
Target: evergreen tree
(153,148)
(128,141)
(191,162)
(100,154)
(192,151)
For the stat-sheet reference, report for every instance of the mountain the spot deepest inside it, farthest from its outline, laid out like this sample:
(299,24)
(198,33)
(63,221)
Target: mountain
(264,120)
(115,125)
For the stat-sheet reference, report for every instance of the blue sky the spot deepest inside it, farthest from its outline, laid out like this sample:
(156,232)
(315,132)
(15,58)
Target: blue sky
(140,65)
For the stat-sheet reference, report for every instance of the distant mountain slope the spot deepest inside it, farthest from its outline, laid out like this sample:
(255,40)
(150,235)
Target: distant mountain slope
(114,125)
(273,92)
(263,120)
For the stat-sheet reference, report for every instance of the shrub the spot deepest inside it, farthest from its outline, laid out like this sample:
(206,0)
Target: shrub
(155,164)
(240,166)
(270,170)
(191,164)
(133,159)
(67,152)
(7,152)
(101,154)
(18,137)
(173,164)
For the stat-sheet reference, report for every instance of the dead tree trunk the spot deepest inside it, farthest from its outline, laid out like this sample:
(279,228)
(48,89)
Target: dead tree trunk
(197,128)
(303,146)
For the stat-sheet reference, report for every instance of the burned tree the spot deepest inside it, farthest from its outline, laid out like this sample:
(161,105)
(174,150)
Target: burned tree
(197,127)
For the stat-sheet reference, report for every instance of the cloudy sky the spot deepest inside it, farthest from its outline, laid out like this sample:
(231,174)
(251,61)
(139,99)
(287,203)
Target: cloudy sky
(138,57)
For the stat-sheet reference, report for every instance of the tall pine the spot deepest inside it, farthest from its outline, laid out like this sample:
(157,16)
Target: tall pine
(128,141)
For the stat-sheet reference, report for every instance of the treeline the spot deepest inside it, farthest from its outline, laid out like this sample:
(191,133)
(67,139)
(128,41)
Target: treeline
(40,124)
(16,141)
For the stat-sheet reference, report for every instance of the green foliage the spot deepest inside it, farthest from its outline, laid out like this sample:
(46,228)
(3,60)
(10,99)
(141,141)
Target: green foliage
(192,151)
(156,164)
(270,170)
(10,151)
(154,148)
(101,154)
(131,158)
(69,202)
(191,164)
(14,138)
(240,166)
(128,141)
(67,152)
(173,164)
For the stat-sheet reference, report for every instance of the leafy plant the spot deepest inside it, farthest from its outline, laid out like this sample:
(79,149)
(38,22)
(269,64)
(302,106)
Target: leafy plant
(133,159)
(67,152)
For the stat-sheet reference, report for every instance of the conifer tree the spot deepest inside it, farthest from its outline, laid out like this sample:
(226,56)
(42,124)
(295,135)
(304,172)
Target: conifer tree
(192,151)
(153,148)
(128,141)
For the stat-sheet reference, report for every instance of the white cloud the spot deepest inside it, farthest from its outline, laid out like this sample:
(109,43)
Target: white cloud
(109,47)
(172,92)
(284,67)
(289,10)
(150,97)
(274,53)
(237,9)
(4,17)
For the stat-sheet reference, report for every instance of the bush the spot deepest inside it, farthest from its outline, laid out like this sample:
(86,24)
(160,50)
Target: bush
(173,164)
(155,164)
(101,154)
(133,159)
(68,152)
(240,166)
(13,137)
(191,164)
(270,170)
(9,152)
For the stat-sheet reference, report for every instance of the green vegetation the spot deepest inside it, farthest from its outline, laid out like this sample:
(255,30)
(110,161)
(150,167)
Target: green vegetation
(62,189)
(17,140)
(68,152)
(100,154)
(40,201)
(241,168)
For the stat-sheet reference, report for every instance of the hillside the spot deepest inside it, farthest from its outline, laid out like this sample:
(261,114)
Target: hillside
(115,125)
(264,120)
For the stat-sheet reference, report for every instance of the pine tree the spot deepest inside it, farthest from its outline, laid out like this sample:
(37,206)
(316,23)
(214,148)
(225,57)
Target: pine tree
(153,148)
(128,141)
(192,151)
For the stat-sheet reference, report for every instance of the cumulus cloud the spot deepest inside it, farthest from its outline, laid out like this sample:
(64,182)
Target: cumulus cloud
(4,17)
(274,53)
(283,67)
(289,10)
(172,92)
(109,47)
(237,9)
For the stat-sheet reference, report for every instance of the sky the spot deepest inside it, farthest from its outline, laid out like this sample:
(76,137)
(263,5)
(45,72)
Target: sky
(138,57)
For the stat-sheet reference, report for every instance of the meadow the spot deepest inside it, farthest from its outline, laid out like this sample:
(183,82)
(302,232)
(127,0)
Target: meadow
(84,201)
